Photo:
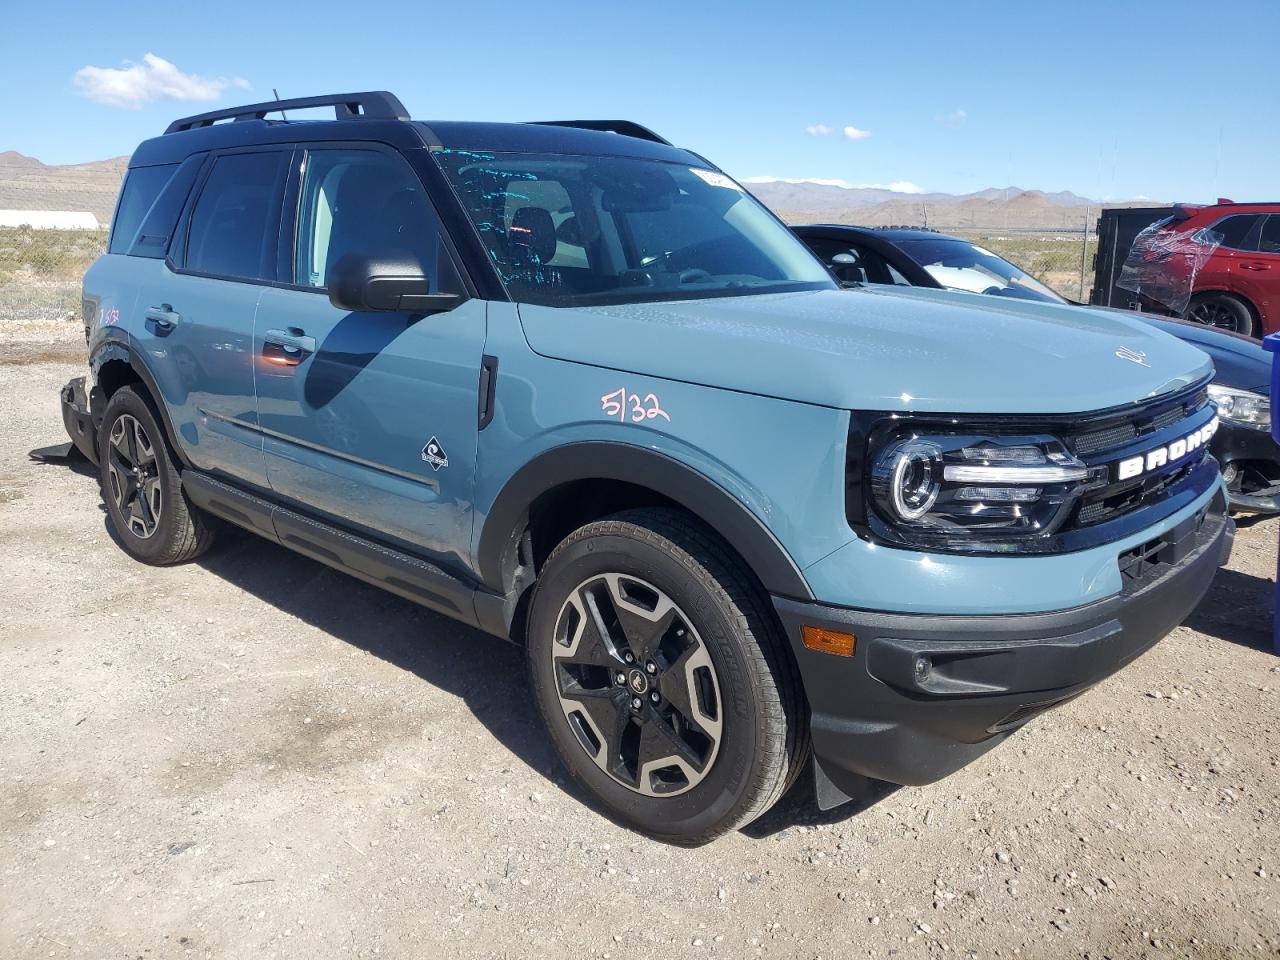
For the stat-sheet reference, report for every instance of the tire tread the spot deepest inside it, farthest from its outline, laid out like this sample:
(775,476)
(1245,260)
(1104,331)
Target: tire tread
(784,728)
(193,531)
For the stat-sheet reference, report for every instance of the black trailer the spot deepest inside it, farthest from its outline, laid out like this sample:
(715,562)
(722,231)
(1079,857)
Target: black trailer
(1116,229)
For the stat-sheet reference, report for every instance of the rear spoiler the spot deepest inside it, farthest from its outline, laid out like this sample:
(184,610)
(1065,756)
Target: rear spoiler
(1184,211)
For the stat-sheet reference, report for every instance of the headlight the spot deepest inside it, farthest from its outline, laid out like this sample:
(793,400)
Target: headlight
(956,489)
(1243,407)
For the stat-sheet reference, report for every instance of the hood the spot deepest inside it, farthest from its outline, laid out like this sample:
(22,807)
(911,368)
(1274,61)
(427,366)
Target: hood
(1240,361)
(881,348)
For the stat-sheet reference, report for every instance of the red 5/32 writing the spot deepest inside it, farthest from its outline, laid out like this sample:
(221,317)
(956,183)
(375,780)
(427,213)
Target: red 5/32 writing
(625,405)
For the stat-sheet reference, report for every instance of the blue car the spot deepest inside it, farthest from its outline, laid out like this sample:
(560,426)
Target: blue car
(574,386)
(1241,389)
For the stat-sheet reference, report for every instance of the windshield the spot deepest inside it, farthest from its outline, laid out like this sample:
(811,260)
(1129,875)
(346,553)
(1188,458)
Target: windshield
(568,231)
(960,265)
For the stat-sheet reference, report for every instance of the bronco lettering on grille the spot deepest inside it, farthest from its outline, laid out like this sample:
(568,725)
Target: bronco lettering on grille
(1131,467)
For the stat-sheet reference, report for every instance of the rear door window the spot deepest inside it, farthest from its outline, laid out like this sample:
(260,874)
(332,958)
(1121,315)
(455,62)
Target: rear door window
(1238,232)
(1269,241)
(142,186)
(234,229)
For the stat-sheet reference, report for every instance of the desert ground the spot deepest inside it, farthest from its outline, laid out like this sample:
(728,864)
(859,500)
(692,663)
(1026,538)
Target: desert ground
(253,756)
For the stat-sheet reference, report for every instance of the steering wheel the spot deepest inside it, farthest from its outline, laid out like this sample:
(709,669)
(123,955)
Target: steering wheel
(694,274)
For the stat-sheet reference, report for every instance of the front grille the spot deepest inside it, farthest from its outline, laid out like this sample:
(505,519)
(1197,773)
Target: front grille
(1102,444)
(1120,498)
(1146,420)
(1173,415)
(1088,444)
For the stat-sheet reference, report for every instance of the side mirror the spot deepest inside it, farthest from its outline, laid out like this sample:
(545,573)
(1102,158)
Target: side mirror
(848,269)
(360,283)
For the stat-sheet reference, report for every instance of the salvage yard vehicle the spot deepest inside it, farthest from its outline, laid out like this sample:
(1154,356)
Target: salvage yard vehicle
(574,386)
(1236,288)
(909,257)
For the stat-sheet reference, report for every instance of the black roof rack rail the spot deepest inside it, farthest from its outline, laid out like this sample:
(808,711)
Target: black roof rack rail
(374,104)
(626,128)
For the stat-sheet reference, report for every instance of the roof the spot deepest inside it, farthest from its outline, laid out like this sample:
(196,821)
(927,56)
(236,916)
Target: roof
(550,138)
(407,134)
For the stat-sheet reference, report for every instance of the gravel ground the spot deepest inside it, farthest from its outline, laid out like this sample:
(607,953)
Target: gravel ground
(46,332)
(253,756)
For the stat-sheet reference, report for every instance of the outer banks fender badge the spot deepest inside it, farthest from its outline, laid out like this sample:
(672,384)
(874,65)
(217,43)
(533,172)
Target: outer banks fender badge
(434,454)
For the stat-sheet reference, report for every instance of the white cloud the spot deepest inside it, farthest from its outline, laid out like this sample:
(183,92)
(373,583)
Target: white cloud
(853,133)
(897,186)
(818,130)
(956,118)
(154,78)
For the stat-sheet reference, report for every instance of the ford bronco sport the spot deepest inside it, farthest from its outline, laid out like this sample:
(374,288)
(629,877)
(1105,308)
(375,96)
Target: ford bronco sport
(574,386)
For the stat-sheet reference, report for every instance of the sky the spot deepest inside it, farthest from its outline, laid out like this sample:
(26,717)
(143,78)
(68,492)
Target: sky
(1117,100)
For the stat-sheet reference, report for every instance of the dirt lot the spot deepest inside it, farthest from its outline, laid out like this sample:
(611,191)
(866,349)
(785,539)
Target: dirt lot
(253,756)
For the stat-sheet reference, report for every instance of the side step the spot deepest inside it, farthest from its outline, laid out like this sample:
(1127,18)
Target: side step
(401,573)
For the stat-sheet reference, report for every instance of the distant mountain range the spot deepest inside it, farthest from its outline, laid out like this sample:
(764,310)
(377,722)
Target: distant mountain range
(1012,208)
(28,184)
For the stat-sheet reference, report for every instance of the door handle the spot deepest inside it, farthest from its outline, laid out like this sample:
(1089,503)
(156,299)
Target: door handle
(163,316)
(293,342)
(1255,266)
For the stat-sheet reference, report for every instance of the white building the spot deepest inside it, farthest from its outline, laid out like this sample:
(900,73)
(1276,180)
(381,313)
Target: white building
(49,219)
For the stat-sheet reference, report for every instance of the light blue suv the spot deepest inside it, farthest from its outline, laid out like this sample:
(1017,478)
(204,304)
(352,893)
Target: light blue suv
(574,386)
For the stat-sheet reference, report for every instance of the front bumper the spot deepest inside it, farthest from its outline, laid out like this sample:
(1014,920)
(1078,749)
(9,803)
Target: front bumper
(925,694)
(1256,459)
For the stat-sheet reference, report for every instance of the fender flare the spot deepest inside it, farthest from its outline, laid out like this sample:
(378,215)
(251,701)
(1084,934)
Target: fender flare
(605,460)
(119,345)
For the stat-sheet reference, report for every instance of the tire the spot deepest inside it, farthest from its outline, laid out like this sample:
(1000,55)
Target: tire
(722,694)
(1223,311)
(142,489)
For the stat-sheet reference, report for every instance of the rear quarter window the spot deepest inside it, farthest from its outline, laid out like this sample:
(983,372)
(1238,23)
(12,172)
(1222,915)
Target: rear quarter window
(235,224)
(142,185)
(161,220)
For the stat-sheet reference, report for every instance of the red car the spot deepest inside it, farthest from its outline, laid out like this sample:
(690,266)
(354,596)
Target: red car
(1238,287)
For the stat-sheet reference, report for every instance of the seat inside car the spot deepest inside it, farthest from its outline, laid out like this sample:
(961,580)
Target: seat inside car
(533,236)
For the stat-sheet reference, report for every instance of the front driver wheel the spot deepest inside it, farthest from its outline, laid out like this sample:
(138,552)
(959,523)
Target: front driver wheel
(663,677)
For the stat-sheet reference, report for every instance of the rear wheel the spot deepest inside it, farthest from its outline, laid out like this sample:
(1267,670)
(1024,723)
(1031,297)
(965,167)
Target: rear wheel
(1223,311)
(663,677)
(142,488)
